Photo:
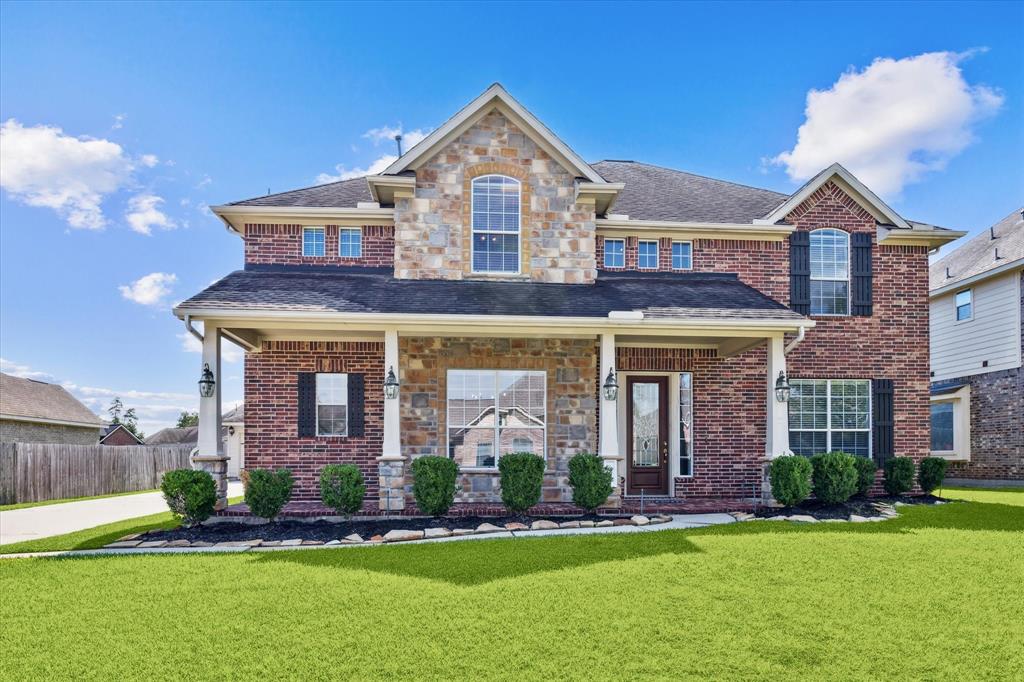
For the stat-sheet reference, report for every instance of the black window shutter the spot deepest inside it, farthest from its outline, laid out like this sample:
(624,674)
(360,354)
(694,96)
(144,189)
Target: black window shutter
(356,409)
(800,272)
(882,419)
(307,404)
(861,298)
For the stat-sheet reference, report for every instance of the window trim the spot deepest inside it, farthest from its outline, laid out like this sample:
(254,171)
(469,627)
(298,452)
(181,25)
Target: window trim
(617,240)
(497,429)
(359,233)
(657,253)
(673,253)
(956,308)
(679,420)
(961,400)
(518,233)
(316,404)
(849,273)
(323,240)
(828,414)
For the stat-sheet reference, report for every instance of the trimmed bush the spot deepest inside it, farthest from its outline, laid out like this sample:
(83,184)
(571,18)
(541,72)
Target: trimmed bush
(191,495)
(790,477)
(590,479)
(434,484)
(268,491)
(899,475)
(866,471)
(522,474)
(930,473)
(833,477)
(342,488)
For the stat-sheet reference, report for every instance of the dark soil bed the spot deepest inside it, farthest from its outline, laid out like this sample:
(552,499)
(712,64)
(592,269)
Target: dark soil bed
(858,505)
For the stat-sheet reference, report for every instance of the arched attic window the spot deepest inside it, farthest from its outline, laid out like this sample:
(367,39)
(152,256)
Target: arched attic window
(830,272)
(496,224)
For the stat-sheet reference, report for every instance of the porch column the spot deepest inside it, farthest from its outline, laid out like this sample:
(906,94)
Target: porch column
(608,447)
(209,453)
(777,432)
(391,464)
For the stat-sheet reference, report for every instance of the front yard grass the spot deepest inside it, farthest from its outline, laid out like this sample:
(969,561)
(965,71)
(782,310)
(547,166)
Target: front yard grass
(935,594)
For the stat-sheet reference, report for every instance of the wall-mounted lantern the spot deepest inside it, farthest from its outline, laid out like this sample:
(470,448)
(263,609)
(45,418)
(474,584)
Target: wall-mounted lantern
(206,382)
(611,386)
(782,388)
(391,384)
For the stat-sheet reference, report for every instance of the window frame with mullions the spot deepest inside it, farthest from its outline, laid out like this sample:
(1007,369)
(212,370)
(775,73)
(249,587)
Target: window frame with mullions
(821,279)
(829,430)
(474,231)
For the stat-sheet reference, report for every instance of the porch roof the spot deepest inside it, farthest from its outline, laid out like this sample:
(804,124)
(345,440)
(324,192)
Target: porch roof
(358,290)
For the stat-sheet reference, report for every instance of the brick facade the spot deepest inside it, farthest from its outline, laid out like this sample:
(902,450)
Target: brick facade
(12,431)
(282,245)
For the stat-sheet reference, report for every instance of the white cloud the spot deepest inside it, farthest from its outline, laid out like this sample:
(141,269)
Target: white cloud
(207,180)
(144,214)
(149,160)
(229,352)
(23,371)
(118,121)
(151,289)
(378,136)
(41,166)
(892,122)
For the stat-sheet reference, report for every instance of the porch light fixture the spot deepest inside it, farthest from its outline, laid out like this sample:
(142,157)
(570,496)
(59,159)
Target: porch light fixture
(206,382)
(611,386)
(391,384)
(782,388)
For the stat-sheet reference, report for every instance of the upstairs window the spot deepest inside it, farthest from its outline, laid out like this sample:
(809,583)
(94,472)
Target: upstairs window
(614,253)
(496,224)
(682,255)
(350,243)
(964,305)
(647,255)
(830,272)
(313,241)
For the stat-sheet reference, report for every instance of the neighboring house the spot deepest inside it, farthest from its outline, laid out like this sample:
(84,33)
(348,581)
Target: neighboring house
(117,434)
(976,340)
(37,412)
(187,435)
(495,273)
(232,435)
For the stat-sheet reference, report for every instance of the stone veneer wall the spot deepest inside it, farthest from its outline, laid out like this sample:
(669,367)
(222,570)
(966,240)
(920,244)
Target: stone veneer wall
(282,245)
(433,228)
(12,431)
(571,366)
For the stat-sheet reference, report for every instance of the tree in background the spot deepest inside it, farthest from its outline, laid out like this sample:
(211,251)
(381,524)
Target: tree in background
(126,418)
(187,419)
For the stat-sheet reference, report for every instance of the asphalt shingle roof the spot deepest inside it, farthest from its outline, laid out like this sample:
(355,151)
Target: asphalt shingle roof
(979,254)
(342,194)
(375,290)
(39,400)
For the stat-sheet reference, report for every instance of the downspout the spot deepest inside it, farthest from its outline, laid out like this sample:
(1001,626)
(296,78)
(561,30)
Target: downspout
(195,332)
(785,351)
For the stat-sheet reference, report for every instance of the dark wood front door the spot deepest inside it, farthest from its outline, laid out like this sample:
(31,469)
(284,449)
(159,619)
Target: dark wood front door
(647,435)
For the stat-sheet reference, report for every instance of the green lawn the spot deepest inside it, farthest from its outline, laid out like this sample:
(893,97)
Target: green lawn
(935,594)
(26,505)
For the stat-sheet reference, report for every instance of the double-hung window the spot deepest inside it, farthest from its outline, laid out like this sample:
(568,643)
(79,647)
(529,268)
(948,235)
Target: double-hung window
(496,224)
(682,255)
(647,255)
(332,404)
(830,272)
(615,253)
(350,243)
(830,414)
(313,241)
(492,413)
(964,302)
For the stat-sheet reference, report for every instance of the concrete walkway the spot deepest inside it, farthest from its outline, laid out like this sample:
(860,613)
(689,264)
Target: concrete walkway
(57,519)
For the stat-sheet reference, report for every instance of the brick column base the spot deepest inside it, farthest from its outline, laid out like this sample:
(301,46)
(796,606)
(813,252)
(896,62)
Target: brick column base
(217,466)
(391,481)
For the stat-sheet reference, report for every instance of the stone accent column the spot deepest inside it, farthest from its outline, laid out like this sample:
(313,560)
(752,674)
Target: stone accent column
(391,477)
(608,448)
(391,463)
(777,431)
(209,455)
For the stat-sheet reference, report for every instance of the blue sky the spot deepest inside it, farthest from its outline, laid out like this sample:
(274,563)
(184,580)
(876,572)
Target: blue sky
(122,122)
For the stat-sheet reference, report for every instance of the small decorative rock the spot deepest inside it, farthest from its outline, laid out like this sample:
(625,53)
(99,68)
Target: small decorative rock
(803,518)
(402,535)
(133,536)
(661,518)
(202,543)
(623,522)
(569,524)
(857,519)
(123,544)
(742,516)
(876,518)
(436,533)
(295,542)
(152,544)
(515,525)
(266,543)
(311,542)
(488,528)
(353,539)
(332,542)
(777,518)
(640,520)
(463,531)
(543,524)
(377,539)
(586,524)
(605,524)
(179,543)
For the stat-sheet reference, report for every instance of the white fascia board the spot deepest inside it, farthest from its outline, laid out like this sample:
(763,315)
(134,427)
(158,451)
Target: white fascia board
(389,183)
(820,179)
(479,106)
(235,217)
(974,279)
(918,236)
(55,422)
(723,230)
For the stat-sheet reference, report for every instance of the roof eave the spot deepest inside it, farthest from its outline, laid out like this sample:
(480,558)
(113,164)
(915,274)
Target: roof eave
(974,279)
(236,217)
(917,237)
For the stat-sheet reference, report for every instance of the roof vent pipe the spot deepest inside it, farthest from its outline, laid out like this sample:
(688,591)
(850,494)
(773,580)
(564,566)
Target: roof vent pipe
(997,253)
(398,141)
(947,273)
(992,232)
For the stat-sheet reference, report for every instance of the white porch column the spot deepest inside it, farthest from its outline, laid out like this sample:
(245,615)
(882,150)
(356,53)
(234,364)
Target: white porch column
(209,455)
(391,464)
(608,447)
(777,432)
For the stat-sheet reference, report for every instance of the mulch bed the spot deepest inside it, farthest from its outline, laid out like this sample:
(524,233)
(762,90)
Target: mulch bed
(856,506)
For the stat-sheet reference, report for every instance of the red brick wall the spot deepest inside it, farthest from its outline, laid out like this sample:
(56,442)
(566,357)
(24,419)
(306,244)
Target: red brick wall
(271,411)
(282,245)
(120,437)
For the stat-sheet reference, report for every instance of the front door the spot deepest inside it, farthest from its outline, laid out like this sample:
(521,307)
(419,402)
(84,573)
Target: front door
(647,435)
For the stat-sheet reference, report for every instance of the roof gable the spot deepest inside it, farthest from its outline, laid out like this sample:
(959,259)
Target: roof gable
(116,428)
(40,401)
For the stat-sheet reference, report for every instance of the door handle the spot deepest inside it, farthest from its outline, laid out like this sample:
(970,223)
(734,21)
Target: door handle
(664,451)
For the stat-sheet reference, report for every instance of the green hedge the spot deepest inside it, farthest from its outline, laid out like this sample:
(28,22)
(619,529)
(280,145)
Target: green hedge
(866,471)
(342,488)
(931,472)
(899,475)
(590,479)
(190,494)
(833,477)
(790,478)
(434,484)
(268,491)
(522,475)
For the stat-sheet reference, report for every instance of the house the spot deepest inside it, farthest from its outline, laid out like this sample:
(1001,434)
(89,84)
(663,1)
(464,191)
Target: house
(513,296)
(117,434)
(977,417)
(184,435)
(33,411)
(232,435)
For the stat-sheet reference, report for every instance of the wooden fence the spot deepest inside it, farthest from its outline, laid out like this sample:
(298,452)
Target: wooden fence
(31,472)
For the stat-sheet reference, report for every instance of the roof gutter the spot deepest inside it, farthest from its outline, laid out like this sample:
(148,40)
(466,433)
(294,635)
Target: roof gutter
(192,330)
(800,334)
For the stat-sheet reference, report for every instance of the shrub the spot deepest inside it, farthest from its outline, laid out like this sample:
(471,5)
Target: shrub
(833,477)
(930,473)
(866,470)
(342,488)
(191,494)
(268,491)
(522,474)
(790,477)
(433,484)
(590,479)
(899,475)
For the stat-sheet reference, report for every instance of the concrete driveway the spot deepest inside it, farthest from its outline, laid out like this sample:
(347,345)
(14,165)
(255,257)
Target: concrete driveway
(57,519)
